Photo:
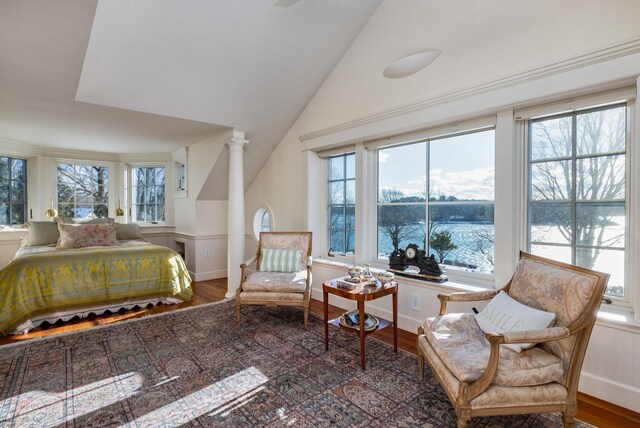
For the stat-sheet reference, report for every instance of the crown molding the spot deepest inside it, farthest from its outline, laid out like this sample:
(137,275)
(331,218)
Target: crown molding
(15,148)
(595,57)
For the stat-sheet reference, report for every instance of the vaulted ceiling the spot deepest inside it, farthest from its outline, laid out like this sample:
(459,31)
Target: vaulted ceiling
(150,76)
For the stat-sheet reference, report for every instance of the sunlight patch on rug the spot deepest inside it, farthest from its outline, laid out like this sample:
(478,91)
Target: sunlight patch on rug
(214,399)
(47,408)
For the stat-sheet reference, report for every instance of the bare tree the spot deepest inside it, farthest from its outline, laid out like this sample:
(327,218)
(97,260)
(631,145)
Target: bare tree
(484,244)
(598,178)
(80,185)
(400,222)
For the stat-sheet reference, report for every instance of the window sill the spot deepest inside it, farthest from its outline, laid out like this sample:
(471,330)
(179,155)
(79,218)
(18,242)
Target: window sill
(447,287)
(9,229)
(617,318)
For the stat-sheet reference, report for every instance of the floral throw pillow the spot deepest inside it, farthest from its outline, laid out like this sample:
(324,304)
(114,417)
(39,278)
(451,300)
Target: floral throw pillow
(86,235)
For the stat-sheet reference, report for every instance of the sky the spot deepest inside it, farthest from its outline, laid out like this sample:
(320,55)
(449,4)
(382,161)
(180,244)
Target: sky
(462,166)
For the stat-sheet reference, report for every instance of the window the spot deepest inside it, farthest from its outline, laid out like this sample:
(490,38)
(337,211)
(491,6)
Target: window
(261,222)
(576,191)
(342,203)
(83,190)
(148,193)
(13,190)
(439,195)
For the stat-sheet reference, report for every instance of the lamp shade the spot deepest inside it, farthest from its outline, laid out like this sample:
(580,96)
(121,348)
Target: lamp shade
(119,212)
(51,212)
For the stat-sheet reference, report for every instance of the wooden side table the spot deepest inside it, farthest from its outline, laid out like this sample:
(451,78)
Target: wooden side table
(361,294)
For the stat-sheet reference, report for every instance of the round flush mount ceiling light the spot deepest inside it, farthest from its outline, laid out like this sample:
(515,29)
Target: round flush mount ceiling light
(410,64)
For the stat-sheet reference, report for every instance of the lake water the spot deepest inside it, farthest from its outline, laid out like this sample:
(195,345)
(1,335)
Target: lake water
(468,237)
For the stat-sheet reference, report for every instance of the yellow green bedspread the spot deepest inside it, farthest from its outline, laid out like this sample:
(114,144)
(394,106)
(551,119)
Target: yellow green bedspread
(46,281)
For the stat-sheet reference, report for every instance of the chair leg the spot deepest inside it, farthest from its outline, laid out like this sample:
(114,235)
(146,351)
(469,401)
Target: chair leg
(568,420)
(306,317)
(463,423)
(238,313)
(420,366)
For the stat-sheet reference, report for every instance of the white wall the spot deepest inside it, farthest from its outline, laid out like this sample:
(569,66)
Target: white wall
(497,55)
(202,224)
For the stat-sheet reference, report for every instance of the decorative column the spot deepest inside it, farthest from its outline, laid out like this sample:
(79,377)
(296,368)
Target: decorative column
(235,217)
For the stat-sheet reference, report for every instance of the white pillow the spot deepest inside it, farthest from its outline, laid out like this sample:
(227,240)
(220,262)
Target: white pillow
(503,314)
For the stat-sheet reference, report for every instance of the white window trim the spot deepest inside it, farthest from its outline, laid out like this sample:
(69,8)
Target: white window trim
(127,188)
(111,187)
(460,276)
(257,219)
(342,152)
(510,198)
(632,245)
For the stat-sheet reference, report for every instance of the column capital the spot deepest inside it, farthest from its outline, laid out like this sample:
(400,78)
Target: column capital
(237,142)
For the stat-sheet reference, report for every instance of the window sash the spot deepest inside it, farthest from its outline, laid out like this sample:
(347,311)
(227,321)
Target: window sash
(9,202)
(452,131)
(88,200)
(574,201)
(344,206)
(149,210)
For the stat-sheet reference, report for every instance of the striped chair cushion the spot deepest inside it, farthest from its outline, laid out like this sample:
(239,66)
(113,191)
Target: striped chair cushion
(280,260)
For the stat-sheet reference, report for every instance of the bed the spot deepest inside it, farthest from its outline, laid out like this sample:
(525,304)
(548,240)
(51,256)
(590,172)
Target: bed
(45,283)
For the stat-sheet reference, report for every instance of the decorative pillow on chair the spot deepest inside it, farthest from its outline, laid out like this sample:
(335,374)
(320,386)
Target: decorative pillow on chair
(86,235)
(280,260)
(503,314)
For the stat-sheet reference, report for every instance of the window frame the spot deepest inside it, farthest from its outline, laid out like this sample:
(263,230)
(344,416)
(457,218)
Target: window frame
(479,278)
(25,181)
(76,162)
(573,201)
(132,212)
(258,217)
(347,255)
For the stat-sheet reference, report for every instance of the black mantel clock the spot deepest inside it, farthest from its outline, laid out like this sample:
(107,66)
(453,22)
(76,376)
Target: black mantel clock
(400,260)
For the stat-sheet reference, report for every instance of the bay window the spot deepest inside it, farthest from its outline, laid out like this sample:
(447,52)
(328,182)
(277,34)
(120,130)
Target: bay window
(148,190)
(83,190)
(13,191)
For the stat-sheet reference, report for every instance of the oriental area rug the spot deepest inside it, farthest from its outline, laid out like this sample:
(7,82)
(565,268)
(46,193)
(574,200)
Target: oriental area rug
(197,367)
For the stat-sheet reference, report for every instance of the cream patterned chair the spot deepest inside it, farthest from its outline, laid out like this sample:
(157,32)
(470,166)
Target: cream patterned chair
(483,378)
(283,272)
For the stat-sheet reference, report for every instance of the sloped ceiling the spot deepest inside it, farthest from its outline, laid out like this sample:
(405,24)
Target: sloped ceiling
(150,76)
(244,64)
(42,48)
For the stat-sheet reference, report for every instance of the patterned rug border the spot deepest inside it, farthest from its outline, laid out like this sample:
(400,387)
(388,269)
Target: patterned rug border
(53,336)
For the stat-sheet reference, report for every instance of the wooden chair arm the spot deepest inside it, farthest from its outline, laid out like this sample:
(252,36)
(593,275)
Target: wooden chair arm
(249,262)
(472,296)
(476,388)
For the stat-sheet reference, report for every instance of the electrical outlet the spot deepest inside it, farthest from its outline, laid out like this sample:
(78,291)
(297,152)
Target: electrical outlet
(415,302)
(207,252)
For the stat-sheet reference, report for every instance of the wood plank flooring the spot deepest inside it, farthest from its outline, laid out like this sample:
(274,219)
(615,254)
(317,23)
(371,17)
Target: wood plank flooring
(590,409)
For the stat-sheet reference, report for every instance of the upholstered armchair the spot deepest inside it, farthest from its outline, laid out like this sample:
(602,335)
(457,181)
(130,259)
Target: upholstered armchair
(482,377)
(282,276)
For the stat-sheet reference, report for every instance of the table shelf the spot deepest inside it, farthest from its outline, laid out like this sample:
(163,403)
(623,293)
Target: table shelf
(382,323)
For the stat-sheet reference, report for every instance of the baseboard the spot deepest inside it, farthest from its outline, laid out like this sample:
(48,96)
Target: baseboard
(620,394)
(601,413)
(205,276)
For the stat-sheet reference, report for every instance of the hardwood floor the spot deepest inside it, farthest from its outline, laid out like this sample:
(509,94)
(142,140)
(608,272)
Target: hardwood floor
(590,409)
(204,292)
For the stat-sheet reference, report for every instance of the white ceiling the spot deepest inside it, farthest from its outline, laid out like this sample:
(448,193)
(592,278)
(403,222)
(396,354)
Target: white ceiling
(150,76)
(42,47)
